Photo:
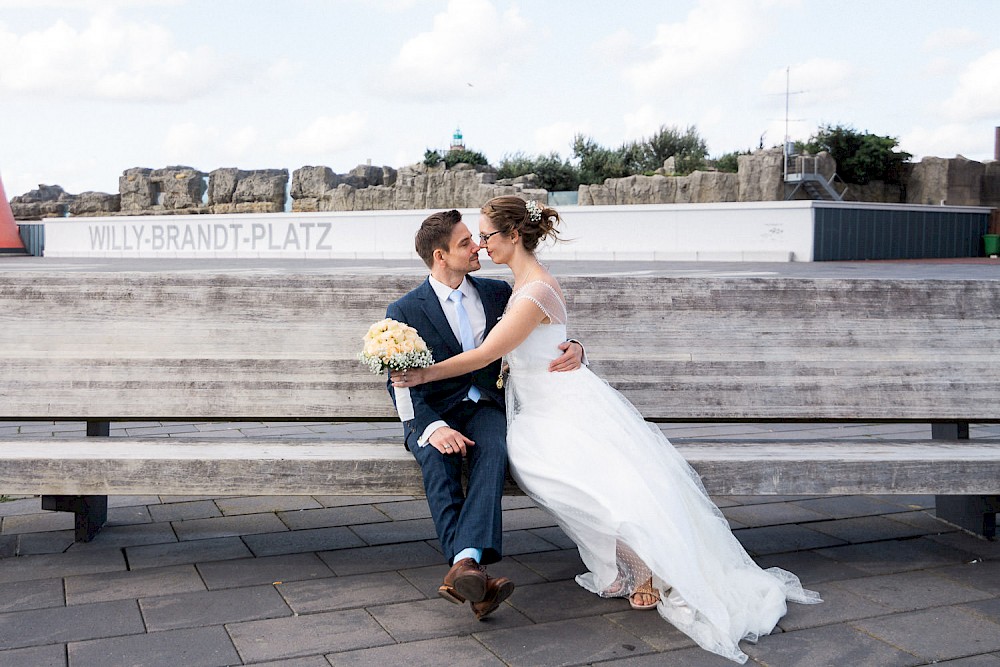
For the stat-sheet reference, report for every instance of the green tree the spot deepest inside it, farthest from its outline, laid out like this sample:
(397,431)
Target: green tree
(553,173)
(861,156)
(688,149)
(597,163)
(729,162)
(431,158)
(451,158)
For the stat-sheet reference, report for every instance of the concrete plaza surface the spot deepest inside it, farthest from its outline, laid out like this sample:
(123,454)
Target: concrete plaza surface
(314,581)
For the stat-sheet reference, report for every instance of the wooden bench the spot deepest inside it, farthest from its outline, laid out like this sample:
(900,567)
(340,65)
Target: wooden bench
(198,345)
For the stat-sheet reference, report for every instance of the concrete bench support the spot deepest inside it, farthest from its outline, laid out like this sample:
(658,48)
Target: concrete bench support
(91,511)
(977,514)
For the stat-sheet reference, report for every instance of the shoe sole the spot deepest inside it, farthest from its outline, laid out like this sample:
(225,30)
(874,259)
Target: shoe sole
(470,587)
(449,594)
(502,594)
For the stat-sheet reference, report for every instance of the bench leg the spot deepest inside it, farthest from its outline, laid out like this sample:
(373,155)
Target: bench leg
(91,511)
(976,514)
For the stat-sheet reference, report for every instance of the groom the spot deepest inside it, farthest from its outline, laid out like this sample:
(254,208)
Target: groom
(463,417)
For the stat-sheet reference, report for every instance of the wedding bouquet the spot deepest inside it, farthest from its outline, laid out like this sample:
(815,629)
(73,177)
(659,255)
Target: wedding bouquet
(394,346)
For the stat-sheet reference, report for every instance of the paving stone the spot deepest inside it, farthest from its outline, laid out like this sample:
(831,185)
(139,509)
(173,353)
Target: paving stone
(988,608)
(838,605)
(37,523)
(809,566)
(133,584)
(896,555)
(381,558)
(53,655)
(332,516)
(189,499)
(554,565)
(198,647)
(981,575)
(930,524)
(909,501)
(575,641)
(832,645)
(516,502)
(8,546)
(198,509)
(651,628)
(957,632)
(343,501)
(170,429)
(779,539)
(524,542)
(55,542)
(128,515)
(362,590)
(310,661)
(227,526)
(65,624)
(396,531)
(267,570)
(30,505)
(763,500)
(21,595)
(771,514)
(427,619)
(555,535)
(908,591)
(197,551)
(296,636)
(846,507)
(978,547)
(204,608)
(558,600)
(992,660)
(300,541)
(52,566)
(408,509)
(464,651)
(261,504)
(688,657)
(129,536)
(867,529)
(523,519)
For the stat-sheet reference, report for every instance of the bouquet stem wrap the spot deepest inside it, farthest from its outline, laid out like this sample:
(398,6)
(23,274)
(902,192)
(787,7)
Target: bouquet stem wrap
(394,346)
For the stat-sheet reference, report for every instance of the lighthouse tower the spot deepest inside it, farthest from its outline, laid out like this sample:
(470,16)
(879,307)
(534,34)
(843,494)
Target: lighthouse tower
(457,144)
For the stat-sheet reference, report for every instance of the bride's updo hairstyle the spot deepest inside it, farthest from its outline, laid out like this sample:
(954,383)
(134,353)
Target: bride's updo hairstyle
(533,221)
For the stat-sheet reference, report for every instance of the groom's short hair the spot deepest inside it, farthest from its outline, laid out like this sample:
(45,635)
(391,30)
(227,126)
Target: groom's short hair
(434,233)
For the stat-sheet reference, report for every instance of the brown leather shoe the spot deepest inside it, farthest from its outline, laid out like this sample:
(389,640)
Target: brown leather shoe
(497,590)
(466,580)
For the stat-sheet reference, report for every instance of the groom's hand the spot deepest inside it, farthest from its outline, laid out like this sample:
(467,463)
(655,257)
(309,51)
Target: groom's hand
(449,441)
(571,359)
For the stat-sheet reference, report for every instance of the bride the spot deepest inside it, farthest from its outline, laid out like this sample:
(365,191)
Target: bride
(638,513)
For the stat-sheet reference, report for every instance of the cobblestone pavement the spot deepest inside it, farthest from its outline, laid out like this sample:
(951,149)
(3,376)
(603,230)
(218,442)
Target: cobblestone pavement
(311,581)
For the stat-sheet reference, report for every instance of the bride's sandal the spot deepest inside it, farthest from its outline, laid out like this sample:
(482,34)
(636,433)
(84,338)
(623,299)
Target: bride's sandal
(642,594)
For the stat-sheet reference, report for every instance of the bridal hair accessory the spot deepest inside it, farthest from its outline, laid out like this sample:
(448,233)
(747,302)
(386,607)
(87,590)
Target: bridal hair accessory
(534,213)
(394,346)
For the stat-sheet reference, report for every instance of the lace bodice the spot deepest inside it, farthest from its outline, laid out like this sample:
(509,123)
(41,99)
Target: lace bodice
(542,345)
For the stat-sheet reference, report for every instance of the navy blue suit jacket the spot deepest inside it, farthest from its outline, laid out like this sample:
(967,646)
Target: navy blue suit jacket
(421,309)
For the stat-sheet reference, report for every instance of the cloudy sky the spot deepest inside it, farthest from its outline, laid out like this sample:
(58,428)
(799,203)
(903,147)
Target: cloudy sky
(89,88)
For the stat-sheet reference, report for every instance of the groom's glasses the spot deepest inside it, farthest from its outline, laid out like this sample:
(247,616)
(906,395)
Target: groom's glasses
(483,238)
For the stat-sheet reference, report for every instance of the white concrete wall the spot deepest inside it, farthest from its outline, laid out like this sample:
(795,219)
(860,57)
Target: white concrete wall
(764,231)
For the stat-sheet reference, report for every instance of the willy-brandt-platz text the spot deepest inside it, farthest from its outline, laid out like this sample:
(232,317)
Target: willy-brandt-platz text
(216,237)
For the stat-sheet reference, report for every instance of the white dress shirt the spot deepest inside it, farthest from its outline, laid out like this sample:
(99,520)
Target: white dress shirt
(477,318)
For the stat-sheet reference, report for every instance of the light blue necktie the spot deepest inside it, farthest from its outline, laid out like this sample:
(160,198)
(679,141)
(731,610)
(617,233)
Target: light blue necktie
(465,331)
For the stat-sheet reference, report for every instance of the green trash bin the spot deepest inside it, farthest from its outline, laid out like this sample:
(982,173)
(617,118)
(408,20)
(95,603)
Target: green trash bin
(991,244)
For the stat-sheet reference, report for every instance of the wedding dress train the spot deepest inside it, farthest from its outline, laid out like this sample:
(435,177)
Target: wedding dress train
(630,502)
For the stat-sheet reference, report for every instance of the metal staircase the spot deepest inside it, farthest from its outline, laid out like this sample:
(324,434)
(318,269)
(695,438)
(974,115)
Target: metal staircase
(801,173)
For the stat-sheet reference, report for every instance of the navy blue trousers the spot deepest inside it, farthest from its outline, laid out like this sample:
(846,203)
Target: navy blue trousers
(468,517)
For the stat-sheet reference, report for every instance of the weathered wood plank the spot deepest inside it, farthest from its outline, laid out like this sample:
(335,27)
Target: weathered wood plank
(185,466)
(205,345)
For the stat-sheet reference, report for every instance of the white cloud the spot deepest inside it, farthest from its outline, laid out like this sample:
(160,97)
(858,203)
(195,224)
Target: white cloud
(558,137)
(977,96)
(948,39)
(192,144)
(110,58)
(949,140)
(711,37)
(471,50)
(814,82)
(328,134)
(643,122)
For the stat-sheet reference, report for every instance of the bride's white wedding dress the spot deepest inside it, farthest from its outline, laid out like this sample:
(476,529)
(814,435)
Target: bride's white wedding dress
(630,502)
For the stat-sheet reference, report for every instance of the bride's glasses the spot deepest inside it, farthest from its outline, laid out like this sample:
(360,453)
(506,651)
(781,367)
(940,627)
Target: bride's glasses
(483,238)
